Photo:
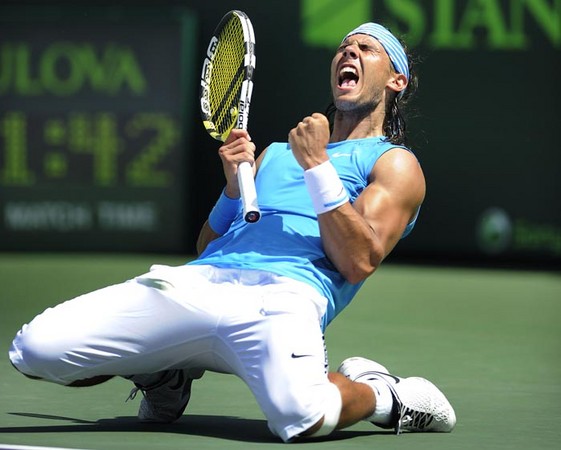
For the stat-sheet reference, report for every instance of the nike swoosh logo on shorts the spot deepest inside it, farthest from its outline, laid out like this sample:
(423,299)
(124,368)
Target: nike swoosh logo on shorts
(294,355)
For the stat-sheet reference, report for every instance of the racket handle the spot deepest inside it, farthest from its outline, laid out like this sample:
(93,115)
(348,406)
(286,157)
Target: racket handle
(248,193)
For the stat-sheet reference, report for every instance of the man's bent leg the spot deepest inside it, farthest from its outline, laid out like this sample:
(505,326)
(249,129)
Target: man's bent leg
(355,402)
(405,404)
(113,331)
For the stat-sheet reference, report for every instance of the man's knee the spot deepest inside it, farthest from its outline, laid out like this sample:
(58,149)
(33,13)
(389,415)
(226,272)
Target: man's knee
(37,355)
(332,407)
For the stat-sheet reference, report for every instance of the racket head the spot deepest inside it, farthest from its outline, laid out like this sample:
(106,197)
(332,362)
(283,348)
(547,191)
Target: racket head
(227,75)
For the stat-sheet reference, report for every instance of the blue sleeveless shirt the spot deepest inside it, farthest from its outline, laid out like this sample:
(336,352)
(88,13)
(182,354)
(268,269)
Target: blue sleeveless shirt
(286,240)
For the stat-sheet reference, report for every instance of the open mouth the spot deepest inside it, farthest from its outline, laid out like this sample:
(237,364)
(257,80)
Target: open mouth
(348,77)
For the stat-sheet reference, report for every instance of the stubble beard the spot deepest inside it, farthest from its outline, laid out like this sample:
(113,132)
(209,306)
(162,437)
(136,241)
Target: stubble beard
(355,109)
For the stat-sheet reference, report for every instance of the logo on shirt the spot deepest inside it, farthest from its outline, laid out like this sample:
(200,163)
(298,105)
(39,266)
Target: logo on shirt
(340,154)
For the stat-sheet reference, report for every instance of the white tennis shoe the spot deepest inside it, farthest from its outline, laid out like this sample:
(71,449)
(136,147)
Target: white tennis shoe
(419,405)
(166,401)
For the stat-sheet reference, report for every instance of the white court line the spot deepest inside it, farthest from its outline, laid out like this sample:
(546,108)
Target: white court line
(30,447)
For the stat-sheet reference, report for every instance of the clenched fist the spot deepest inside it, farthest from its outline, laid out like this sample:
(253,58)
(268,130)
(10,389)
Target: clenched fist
(309,140)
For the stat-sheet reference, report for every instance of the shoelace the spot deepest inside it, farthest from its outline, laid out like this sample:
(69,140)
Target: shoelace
(413,420)
(165,379)
(132,394)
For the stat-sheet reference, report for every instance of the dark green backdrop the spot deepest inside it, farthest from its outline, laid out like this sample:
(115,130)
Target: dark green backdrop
(484,123)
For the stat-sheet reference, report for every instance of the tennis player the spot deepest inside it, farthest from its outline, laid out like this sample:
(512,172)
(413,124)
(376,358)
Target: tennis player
(256,301)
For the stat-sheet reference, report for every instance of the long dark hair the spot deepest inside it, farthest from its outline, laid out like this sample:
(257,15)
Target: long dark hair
(395,126)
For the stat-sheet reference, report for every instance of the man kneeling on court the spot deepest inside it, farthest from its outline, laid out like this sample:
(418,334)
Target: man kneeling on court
(335,200)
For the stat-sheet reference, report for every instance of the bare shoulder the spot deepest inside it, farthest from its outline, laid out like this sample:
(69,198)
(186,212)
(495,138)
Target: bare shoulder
(398,161)
(393,196)
(399,170)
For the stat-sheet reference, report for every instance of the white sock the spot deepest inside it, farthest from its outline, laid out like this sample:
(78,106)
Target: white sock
(384,403)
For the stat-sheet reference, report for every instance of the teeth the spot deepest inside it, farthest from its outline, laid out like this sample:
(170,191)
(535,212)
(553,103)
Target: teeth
(348,70)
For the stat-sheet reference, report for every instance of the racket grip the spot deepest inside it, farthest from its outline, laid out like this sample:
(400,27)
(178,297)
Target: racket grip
(248,193)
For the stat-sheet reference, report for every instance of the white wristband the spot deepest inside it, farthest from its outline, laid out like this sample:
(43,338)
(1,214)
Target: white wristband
(325,187)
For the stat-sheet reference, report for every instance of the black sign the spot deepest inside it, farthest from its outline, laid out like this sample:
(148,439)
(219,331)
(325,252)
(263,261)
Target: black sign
(92,144)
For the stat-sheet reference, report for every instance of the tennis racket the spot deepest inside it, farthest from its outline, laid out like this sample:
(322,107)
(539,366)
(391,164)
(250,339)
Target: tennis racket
(226,88)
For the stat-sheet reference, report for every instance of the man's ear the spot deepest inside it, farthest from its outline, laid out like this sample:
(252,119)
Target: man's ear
(398,82)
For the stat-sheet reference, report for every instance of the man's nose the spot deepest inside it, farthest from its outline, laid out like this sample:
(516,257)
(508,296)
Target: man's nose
(351,51)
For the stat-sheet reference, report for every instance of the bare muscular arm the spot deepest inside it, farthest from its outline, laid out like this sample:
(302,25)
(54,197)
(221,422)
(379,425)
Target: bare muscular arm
(357,237)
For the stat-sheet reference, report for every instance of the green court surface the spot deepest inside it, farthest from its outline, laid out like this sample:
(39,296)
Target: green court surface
(490,339)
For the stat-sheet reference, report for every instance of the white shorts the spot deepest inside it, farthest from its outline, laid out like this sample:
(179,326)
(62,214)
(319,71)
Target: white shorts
(259,326)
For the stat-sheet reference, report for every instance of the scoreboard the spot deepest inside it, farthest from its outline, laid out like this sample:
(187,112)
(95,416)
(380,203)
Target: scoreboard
(93,128)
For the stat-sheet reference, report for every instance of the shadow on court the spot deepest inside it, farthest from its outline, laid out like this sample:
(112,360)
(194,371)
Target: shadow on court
(222,427)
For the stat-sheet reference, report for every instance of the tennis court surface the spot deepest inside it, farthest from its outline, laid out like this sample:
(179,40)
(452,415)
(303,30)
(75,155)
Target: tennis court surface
(490,339)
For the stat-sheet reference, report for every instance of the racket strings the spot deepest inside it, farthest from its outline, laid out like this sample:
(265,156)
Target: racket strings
(227,76)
